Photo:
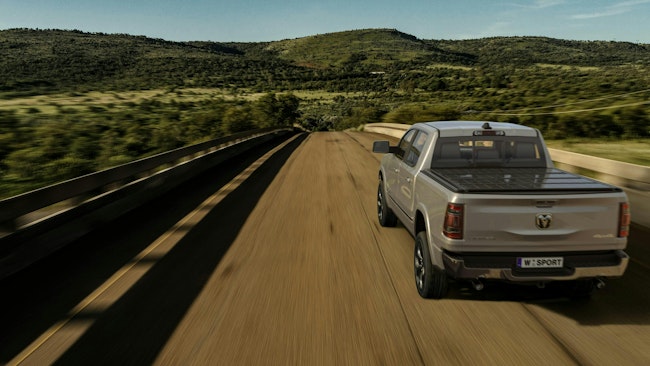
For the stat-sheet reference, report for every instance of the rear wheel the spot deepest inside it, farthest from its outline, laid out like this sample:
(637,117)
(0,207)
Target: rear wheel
(386,216)
(430,281)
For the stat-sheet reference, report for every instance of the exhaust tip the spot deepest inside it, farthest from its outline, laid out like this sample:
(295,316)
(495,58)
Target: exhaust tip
(478,285)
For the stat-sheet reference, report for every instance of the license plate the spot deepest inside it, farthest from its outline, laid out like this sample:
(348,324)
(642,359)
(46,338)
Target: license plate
(540,262)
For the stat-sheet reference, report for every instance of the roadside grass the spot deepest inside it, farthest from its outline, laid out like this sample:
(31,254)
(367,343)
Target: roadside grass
(80,102)
(52,104)
(628,151)
(448,66)
(323,96)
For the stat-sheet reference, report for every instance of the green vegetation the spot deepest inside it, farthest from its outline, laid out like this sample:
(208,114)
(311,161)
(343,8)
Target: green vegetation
(629,151)
(349,50)
(74,102)
(44,140)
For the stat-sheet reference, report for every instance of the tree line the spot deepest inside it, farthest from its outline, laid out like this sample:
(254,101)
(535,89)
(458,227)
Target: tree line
(39,149)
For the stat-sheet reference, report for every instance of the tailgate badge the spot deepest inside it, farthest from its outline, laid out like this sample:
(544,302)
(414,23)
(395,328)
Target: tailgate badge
(543,220)
(545,203)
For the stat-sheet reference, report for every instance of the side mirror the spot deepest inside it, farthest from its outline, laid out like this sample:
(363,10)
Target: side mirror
(382,147)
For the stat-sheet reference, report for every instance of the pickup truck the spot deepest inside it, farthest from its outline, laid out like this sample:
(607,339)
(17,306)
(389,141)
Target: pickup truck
(484,202)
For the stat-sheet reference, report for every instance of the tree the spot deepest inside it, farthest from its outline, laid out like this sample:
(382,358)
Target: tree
(601,125)
(54,138)
(27,164)
(8,130)
(410,114)
(266,110)
(273,111)
(567,125)
(167,135)
(238,119)
(288,112)
(634,121)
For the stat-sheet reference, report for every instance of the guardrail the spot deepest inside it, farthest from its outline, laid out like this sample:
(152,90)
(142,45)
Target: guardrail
(634,178)
(36,223)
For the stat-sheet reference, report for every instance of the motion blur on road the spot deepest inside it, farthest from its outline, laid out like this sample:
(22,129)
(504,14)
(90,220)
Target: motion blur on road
(278,258)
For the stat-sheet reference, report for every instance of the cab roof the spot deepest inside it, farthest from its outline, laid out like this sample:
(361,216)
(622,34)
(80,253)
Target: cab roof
(467,128)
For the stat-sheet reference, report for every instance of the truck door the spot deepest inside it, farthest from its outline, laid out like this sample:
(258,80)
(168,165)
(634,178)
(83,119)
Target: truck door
(407,171)
(393,166)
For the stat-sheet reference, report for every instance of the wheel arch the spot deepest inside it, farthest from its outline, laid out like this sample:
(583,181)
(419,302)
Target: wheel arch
(422,223)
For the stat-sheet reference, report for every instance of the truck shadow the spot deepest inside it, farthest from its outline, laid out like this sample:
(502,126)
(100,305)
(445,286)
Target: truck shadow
(623,301)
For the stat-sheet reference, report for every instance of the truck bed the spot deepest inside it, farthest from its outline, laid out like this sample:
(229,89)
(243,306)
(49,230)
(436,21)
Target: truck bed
(515,181)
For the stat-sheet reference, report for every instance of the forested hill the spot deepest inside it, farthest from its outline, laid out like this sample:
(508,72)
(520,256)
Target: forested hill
(60,60)
(385,46)
(64,59)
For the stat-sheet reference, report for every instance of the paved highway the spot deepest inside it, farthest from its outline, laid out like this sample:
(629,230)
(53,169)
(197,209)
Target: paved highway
(278,259)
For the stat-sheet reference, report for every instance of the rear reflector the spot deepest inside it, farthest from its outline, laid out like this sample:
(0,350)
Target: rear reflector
(453,224)
(624,220)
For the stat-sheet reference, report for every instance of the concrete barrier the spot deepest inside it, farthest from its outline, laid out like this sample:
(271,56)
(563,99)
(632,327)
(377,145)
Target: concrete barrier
(634,179)
(132,185)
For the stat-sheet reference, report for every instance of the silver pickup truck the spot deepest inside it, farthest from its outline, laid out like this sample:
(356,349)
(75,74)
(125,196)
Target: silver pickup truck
(484,202)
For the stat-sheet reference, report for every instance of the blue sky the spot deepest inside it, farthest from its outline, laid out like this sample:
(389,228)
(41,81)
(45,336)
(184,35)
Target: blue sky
(272,20)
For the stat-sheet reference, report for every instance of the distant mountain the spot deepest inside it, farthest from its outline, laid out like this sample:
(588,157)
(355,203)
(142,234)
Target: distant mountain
(62,59)
(59,60)
(532,50)
(385,46)
(375,47)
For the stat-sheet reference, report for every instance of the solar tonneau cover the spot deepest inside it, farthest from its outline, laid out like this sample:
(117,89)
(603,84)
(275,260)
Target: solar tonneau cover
(515,180)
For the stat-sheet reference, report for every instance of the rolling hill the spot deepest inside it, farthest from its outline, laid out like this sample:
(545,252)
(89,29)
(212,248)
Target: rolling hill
(56,59)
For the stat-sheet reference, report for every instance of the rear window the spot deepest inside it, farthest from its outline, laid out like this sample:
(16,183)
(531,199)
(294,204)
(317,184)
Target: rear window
(488,151)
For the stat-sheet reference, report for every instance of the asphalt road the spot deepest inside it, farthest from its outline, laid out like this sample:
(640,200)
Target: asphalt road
(281,261)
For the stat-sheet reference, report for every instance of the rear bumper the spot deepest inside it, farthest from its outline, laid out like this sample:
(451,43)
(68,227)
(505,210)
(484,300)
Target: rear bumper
(502,266)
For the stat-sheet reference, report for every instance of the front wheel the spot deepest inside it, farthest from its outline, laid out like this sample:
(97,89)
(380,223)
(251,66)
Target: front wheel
(430,281)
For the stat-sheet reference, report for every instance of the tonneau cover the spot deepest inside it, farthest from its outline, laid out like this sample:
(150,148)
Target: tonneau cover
(515,180)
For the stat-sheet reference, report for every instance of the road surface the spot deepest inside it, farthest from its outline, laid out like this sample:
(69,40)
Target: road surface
(281,261)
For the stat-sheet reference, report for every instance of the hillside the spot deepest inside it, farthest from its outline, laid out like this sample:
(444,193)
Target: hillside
(374,48)
(55,60)
(523,51)
(59,60)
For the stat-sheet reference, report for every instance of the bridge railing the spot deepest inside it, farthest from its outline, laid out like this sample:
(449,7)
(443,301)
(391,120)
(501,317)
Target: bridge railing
(634,178)
(36,223)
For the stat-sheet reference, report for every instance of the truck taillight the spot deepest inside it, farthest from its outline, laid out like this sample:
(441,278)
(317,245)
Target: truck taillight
(624,219)
(453,224)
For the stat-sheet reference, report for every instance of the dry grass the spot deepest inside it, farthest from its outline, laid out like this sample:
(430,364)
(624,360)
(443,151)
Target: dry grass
(631,151)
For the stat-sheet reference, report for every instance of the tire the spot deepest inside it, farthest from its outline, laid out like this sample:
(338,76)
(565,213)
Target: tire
(430,281)
(385,215)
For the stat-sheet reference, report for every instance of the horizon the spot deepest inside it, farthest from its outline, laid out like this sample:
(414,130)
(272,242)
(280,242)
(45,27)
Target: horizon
(250,21)
(311,35)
